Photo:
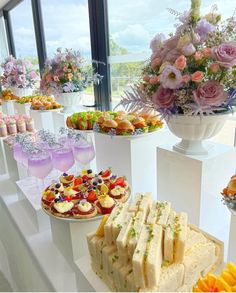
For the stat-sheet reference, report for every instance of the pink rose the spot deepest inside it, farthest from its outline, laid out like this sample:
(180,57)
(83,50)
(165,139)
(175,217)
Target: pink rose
(215,67)
(186,78)
(33,75)
(225,54)
(155,62)
(154,79)
(163,98)
(207,52)
(197,76)
(210,93)
(188,50)
(146,78)
(180,62)
(198,55)
(56,78)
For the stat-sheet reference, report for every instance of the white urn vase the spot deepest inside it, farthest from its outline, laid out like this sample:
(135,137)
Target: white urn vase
(193,130)
(70,101)
(21,92)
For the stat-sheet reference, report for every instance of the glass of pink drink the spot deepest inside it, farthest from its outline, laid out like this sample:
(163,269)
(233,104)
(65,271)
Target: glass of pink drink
(17,152)
(63,159)
(84,152)
(40,165)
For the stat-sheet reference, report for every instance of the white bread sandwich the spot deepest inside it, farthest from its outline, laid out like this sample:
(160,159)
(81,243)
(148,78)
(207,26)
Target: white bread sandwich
(159,213)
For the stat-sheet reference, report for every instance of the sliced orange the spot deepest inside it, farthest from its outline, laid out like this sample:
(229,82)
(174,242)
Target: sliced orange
(221,285)
(196,289)
(211,280)
(202,285)
(228,277)
(232,269)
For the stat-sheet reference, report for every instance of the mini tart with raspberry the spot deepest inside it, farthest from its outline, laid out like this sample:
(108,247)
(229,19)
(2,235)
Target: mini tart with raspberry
(66,179)
(62,208)
(48,199)
(119,193)
(84,210)
(119,181)
(56,187)
(77,181)
(105,204)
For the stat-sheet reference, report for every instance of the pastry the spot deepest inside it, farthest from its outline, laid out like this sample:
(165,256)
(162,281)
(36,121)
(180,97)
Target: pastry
(119,193)
(84,210)
(62,208)
(48,198)
(29,124)
(21,126)
(11,126)
(66,179)
(107,125)
(105,204)
(3,129)
(139,122)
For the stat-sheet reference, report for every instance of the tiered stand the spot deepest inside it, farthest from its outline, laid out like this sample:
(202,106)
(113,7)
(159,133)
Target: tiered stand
(193,184)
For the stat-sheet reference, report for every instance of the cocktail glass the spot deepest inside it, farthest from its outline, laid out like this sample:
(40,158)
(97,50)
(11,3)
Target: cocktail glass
(84,152)
(63,159)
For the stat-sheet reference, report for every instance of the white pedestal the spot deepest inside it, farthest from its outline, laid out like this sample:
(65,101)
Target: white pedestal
(22,171)
(3,162)
(11,165)
(8,107)
(194,183)
(133,157)
(22,109)
(30,193)
(232,240)
(43,119)
(70,237)
(59,120)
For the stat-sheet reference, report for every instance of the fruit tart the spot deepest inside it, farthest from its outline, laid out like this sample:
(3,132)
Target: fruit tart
(66,179)
(105,204)
(84,210)
(105,175)
(119,193)
(62,207)
(48,199)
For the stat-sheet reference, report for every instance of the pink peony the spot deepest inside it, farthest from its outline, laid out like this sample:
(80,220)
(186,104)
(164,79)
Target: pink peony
(225,54)
(171,77)
(163,98)
(211,93)
(197,76)
(180,62)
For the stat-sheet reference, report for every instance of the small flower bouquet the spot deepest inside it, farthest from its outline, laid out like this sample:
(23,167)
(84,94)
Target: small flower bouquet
(66,73)
(193,71)
(18,73)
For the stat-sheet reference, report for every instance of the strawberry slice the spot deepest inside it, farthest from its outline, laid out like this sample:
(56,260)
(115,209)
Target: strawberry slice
(92,196)
(69,177)
(85,177)
(67,198)
(78,181)
(50,197)
(106,173)
(119,181)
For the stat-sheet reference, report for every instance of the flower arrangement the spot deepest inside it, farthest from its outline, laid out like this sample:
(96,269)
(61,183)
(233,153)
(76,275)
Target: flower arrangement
(18,73)
(193,71)
(66,73)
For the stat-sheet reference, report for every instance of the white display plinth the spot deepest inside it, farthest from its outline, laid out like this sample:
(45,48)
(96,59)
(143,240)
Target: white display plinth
(30,193)
(133,157)
(11,164)
(43,119)
(232,240)
(23,109)
(89,277)
(8,107)
(59,120)
(22,171)
(3,162)
(70,237)
(193,184)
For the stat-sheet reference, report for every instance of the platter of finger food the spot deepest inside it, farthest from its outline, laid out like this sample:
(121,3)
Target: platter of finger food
(229,195)
(84,197)
(115,123)
(147,246)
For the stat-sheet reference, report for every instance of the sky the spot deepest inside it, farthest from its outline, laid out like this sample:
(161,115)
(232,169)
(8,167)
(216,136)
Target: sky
(132,23)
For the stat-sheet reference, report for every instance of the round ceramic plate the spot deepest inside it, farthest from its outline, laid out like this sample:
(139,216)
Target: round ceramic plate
(70,219)
(131,136)
(51,110)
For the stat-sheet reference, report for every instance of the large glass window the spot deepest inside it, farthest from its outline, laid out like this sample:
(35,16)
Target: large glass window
(66,25)
(3,41)
(23,32)
(132,24)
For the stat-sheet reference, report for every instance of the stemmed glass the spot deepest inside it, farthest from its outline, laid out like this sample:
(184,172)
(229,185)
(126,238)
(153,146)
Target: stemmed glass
(63,159)
(17,152)
(84,151)
(40,165)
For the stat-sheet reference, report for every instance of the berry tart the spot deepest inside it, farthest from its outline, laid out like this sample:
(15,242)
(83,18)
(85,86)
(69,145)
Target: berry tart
(86,195)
